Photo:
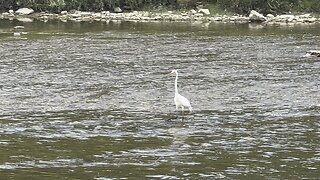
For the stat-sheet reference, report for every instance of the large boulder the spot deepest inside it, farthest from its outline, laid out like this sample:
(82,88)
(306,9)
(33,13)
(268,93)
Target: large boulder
(256,17)
(24,11)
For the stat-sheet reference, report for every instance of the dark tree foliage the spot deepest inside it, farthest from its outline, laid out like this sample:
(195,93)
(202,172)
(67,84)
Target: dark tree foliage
(266,6)
(236,6)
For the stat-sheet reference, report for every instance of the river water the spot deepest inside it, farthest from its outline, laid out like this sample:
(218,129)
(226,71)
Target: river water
(95,101)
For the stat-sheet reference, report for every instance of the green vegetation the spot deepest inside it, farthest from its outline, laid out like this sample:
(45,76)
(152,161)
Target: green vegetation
(216,6)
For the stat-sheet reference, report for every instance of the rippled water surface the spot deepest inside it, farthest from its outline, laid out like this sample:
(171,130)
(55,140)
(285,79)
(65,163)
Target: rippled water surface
(95,101)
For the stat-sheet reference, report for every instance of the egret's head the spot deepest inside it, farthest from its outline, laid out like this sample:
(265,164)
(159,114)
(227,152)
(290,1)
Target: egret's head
(174,72)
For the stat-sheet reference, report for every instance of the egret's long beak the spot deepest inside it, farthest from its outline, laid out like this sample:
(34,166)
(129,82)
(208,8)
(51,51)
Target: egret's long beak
(170,73)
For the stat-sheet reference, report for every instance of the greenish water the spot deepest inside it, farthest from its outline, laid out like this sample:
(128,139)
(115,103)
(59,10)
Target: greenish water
(94,101)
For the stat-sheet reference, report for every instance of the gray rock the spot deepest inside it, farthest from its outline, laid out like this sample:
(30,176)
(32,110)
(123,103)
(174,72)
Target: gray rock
(312,53)
(305,16)
(25,19)
(117,10)
(286,17)
(204,11)
(256,17)
(64,12)
(198,15)
(192,11)
(16,34)
(75,15)
(24,11)
(83,13)
(19,27)
(311,20)
(105,12)
(270,16)
(217,18)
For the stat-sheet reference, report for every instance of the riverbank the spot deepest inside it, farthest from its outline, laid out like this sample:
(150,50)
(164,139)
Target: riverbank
(200,15)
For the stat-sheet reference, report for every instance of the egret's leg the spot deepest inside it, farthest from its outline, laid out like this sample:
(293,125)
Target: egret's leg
(182,108)
(177,112)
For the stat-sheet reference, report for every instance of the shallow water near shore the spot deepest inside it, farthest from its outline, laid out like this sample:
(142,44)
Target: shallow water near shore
(95,101)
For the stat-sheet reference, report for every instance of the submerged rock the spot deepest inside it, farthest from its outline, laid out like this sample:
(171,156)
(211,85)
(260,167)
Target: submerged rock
(312,53)
(16,34)
(18,27)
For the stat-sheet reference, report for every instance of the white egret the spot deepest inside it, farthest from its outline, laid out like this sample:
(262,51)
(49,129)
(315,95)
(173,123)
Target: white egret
(179,100)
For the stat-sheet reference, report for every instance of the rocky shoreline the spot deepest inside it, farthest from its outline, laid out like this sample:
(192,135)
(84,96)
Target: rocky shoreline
(200,15)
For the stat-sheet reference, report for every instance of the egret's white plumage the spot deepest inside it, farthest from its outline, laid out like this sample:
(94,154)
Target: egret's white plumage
(179,100)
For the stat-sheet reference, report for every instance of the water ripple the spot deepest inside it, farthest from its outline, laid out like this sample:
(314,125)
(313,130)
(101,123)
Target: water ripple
(103,104)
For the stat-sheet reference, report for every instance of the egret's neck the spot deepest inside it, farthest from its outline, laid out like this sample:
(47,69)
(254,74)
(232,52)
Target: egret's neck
(176,83)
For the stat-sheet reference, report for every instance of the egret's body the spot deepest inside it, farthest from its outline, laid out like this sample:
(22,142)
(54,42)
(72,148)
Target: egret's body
(179,100)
